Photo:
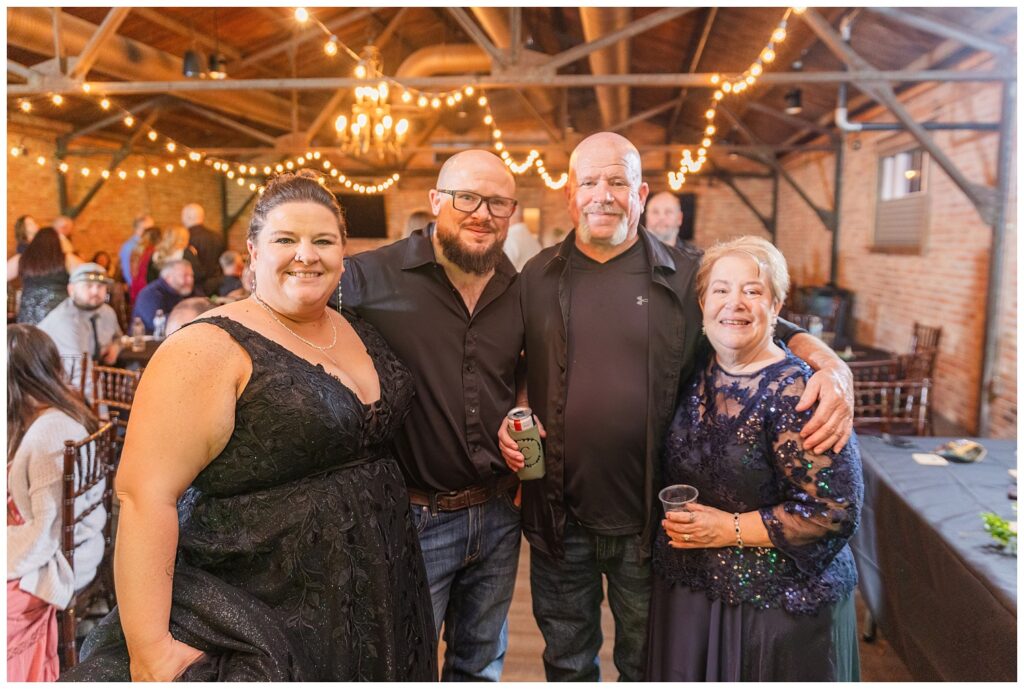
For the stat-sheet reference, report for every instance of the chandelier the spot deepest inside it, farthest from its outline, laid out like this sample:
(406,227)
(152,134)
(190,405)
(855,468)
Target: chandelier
(371,125)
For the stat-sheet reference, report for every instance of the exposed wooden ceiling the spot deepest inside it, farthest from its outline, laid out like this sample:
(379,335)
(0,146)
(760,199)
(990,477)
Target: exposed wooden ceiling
(255,43)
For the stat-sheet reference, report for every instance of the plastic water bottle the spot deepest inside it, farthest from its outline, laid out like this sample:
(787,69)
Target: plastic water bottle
(159,325)
(816,326)
(138,335)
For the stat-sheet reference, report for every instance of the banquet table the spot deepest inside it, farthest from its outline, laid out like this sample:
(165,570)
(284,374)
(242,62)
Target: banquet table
(941,592)
(127,358)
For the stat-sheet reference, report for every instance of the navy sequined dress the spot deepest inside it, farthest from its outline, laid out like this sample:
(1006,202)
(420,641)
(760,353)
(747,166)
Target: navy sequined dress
(757,614)
(297,557)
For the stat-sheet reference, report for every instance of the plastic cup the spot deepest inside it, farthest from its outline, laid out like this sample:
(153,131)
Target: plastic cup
(676,498)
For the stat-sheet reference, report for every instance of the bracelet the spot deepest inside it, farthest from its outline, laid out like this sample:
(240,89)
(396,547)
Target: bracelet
(736,525)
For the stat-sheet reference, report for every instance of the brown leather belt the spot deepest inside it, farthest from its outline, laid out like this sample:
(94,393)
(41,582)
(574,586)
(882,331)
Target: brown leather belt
(461,499)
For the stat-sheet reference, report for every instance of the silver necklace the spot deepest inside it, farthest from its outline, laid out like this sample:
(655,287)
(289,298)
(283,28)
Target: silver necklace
(322,350)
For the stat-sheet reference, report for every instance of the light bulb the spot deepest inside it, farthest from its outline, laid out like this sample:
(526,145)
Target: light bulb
(41,160)
(26,106)
(378,130)
(170,147)
(301,160)
(362,120)
(756,69)
(710,113)
(496,133)
(182,162)
(340,123)
(488,119)
(360,71)
(154,171)
(768,55)
(86,87)
(719,95)
(435,103)
(334,172)
(331,46)
(482,101)
(779,35)
(301,15)
(152,135)
(422,101)
(705,142)
(710,130)
(141,173)
(449,101)
(402,127)
(169,167)
(63,167)
(469,90)
(122,174)
(406,97)
(57,99)
(727,87)
(105,104)
(105,174)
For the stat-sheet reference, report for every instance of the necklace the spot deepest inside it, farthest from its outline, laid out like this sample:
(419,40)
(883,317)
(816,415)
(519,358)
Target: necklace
(322,350)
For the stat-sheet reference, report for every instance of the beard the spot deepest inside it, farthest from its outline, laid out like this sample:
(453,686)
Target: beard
(477,262)
(586,234)
(83,306)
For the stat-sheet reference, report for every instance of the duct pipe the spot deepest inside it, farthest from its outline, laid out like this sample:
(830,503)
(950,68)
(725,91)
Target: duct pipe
(463,58)
(30,28)
(598,21)
(494,21)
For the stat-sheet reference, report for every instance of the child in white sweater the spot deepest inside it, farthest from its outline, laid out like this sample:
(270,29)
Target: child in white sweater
(42,413)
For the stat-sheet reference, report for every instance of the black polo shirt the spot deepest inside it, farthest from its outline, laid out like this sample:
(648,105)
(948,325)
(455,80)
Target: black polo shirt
(463,364)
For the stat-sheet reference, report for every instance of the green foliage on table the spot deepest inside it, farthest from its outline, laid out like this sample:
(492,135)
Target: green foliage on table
(1001,530)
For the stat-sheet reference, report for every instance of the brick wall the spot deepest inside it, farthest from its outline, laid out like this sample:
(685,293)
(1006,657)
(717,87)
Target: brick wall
(945,284)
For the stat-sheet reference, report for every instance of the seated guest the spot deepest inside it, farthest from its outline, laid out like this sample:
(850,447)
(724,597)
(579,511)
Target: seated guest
(84,322)
(755,581)
(42,412)
(186,310)
(231,265)
(174,284)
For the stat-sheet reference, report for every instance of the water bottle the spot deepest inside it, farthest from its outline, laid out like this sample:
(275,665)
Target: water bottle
(815,326)
(159,325)
(138,335)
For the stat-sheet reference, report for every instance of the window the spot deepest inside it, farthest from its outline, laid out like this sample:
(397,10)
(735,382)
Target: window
(902,208)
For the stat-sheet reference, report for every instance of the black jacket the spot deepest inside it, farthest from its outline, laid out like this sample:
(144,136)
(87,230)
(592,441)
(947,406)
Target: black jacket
(209,246)
(674,323)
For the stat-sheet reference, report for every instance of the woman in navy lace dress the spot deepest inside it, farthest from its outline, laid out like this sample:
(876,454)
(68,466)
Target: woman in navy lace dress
(755,582)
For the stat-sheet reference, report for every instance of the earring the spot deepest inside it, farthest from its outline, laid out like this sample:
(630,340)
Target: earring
(703,330)
(339,295)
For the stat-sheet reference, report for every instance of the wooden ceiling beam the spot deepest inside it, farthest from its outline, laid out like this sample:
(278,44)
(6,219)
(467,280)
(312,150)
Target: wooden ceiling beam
(104,32)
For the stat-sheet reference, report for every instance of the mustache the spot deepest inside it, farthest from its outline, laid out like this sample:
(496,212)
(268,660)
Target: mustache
(489,226)
(607,208)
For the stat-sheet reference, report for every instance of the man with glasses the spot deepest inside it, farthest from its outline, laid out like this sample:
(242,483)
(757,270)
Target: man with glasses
(447,301)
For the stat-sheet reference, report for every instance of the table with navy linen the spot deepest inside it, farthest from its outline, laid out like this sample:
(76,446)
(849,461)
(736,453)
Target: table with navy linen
(943,595)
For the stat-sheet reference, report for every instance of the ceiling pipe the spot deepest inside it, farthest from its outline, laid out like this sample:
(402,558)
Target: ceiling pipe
(30,28)
(461,58)
(495,23)
(613,102)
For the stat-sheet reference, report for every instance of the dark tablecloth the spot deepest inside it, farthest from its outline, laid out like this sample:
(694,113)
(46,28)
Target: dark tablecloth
(942,594)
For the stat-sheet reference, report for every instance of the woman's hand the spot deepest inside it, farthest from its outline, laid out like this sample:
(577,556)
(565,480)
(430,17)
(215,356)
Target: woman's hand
(699,527)
(162,661)
(510,449)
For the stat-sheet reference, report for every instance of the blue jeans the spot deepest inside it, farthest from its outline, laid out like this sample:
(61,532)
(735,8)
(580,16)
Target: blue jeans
(471,556)
(567,596)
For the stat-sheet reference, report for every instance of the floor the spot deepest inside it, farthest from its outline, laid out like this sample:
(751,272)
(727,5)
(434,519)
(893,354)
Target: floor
(523,661)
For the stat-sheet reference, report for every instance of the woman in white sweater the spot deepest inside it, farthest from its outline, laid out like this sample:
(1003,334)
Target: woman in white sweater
(42,412)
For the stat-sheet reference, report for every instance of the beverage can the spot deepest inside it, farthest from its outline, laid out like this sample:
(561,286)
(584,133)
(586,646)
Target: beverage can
(524,431)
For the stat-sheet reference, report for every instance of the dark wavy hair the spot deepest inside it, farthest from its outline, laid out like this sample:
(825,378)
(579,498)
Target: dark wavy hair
(43,254)
(20,231)
(301,186)
(35,382)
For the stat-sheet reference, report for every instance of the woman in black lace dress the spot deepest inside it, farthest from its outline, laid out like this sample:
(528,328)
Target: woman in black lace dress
(755,582)
(264,526)
(44,269)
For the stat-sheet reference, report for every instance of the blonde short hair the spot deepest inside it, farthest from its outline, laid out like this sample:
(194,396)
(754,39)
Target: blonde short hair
(768,258)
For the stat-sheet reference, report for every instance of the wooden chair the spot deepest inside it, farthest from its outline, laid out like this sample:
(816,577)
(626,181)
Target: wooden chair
(925,338)
(76,368)
(115,389)
(892,406)
(874,371)
(87,463)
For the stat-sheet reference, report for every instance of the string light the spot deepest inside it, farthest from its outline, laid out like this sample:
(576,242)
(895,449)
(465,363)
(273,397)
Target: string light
(730,86)
(25,105)
(57,99)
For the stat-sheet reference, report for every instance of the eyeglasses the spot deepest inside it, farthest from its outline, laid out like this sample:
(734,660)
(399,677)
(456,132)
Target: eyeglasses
(468,202)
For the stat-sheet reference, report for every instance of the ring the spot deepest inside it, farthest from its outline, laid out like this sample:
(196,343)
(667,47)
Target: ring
(686,537)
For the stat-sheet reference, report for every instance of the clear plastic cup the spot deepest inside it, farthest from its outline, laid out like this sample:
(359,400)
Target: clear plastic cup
(676,498)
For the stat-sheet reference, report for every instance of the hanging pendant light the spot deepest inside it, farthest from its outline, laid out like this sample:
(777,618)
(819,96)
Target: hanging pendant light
(190,66)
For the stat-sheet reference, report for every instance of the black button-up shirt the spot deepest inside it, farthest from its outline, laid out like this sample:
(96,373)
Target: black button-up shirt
(463,364)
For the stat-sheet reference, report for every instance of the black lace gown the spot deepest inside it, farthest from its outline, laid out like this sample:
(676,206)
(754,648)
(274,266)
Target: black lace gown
(297,559)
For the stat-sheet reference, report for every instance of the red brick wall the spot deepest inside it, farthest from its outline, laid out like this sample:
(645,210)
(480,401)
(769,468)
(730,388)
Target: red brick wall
(945,285)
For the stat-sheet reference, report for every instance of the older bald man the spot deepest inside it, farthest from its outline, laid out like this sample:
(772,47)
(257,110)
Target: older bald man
(612,329)
(446,299)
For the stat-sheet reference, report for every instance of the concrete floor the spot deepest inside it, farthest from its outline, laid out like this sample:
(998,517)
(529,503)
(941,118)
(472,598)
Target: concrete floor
(523,661)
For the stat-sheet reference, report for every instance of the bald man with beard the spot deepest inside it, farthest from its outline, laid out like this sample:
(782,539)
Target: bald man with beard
(446,299)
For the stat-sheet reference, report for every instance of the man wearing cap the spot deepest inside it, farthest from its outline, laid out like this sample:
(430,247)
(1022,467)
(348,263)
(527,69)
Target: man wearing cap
(84,322)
